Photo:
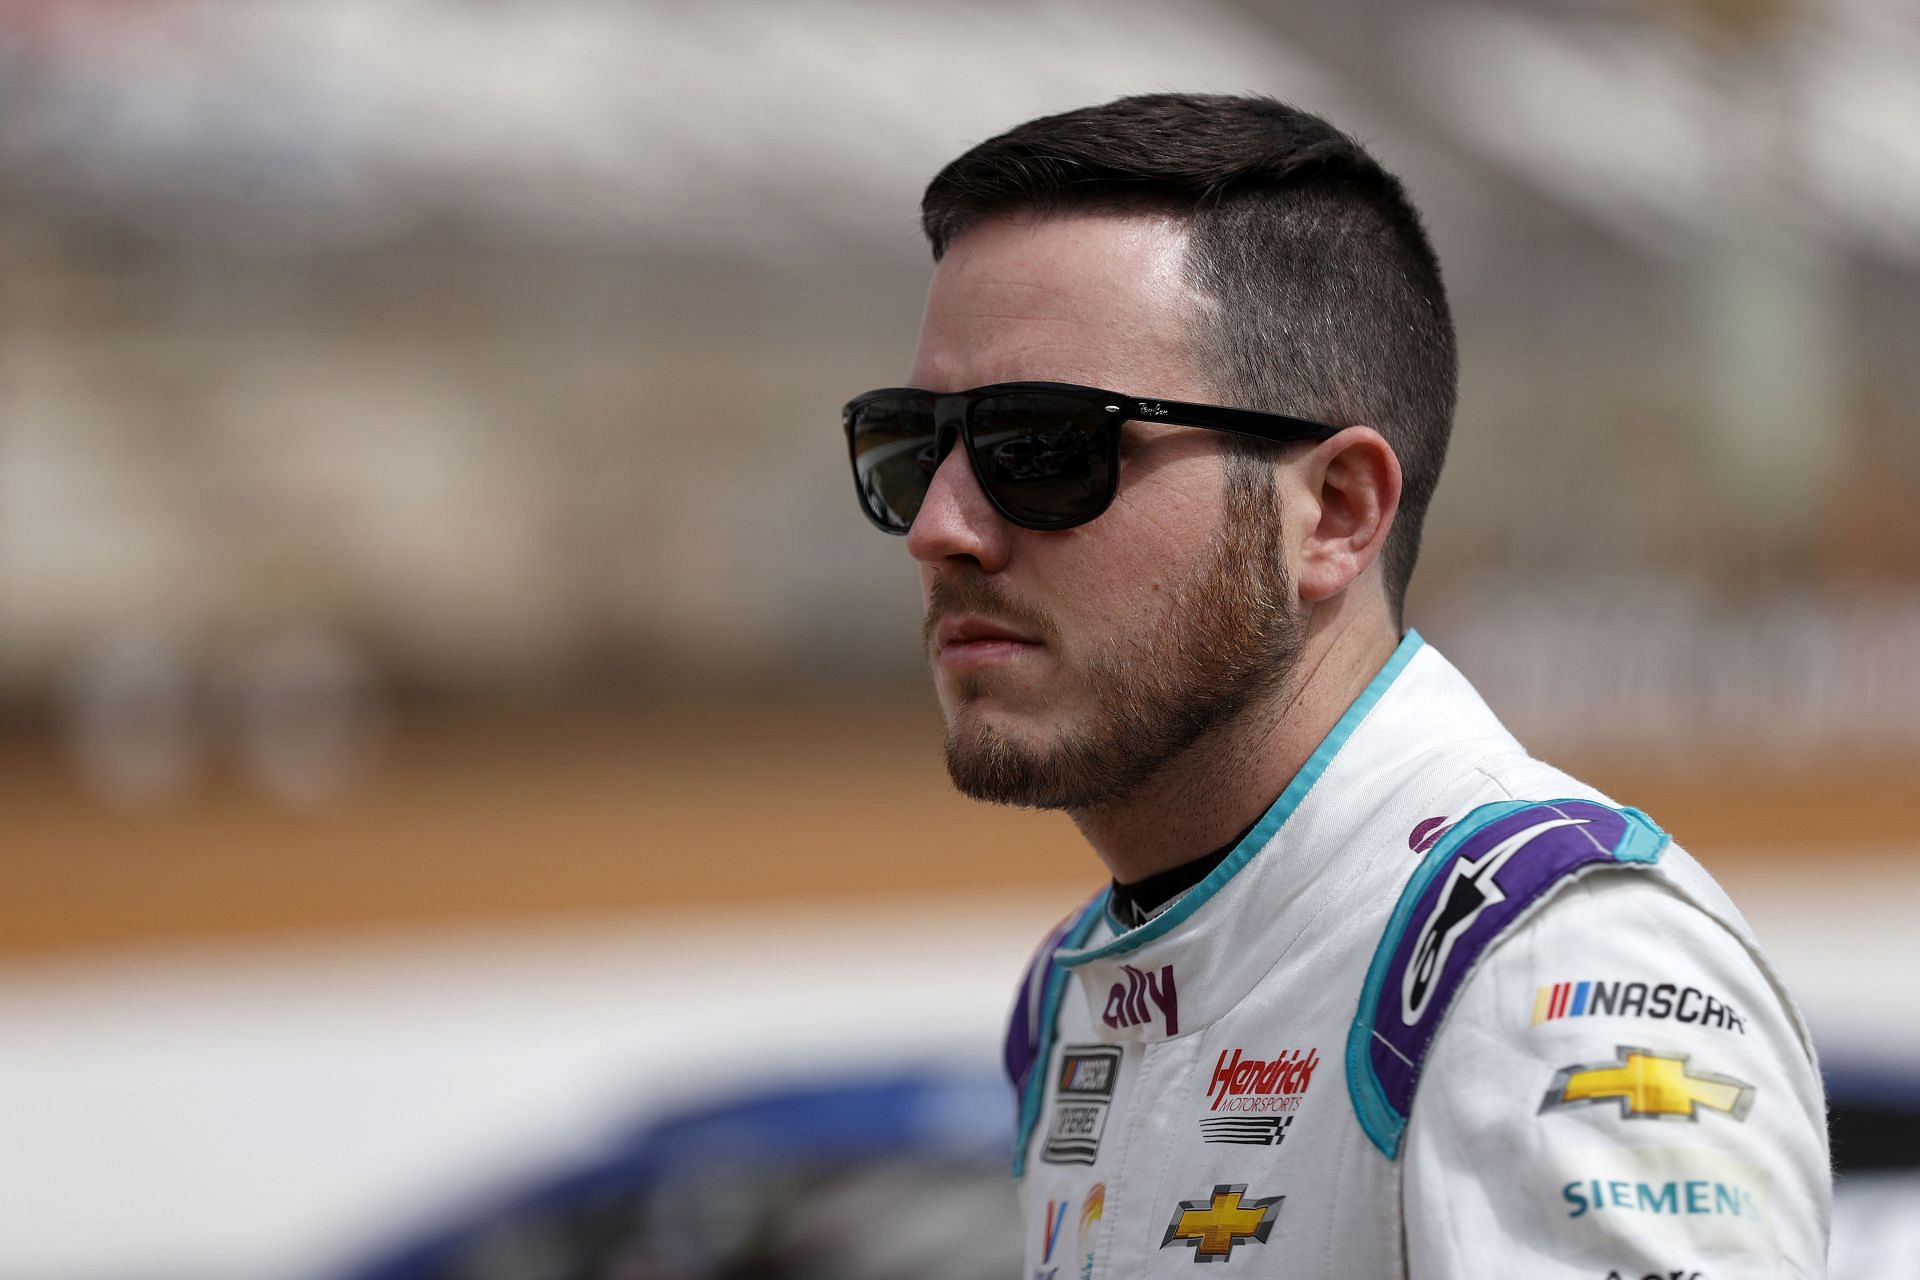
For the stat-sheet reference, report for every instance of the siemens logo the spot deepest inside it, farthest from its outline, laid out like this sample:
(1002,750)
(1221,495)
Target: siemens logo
(1695,1197)
(1684,1195)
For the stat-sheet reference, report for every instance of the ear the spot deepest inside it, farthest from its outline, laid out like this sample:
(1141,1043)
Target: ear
(1352,484)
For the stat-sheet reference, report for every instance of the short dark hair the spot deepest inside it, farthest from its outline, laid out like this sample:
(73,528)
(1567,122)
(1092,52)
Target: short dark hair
(1330,303)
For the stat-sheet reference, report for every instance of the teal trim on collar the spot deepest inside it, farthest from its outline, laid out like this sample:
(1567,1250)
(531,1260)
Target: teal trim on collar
(1263,830)
(1037,1075)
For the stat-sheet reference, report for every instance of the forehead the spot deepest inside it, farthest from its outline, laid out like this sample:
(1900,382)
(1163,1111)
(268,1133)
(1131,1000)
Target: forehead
(1101,299)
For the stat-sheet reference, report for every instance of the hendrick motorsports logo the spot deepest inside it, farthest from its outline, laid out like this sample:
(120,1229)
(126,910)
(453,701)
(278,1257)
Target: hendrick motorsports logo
(1082,1093)
(1261,1084)
(1254,1098)
(1649,1086)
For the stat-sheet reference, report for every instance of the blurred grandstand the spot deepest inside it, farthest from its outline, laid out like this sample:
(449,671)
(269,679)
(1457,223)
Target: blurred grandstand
(422,507)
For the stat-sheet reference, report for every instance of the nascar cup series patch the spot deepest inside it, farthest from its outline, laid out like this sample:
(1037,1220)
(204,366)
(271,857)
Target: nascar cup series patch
(1083,1092)
(1481,878)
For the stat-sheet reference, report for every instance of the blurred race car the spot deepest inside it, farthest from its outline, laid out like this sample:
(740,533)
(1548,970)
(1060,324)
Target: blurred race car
(905,1178)
(863,1179)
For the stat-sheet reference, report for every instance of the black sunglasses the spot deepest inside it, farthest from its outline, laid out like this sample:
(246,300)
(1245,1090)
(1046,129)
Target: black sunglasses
(1046,454)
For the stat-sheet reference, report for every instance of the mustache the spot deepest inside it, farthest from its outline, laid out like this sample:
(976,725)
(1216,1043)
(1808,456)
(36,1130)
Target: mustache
(971,593)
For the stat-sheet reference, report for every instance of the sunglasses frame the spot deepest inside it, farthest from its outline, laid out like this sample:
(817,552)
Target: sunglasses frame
(955,409)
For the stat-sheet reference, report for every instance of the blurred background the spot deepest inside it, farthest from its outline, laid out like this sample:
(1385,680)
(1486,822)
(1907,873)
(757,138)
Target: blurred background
(455,721)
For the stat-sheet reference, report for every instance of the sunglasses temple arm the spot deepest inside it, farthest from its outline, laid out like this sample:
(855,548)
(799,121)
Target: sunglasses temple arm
(1276,427)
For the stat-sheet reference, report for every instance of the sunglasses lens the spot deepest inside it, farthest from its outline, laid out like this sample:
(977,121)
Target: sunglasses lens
(1045,458)
(895,453)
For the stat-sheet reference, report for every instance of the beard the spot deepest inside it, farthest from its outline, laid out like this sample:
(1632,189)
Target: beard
(1232,636)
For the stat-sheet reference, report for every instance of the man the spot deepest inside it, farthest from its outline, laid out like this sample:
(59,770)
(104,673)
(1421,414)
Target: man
(1372,992)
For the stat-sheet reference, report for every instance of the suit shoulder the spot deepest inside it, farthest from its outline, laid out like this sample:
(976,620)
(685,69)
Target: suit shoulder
(1479,881)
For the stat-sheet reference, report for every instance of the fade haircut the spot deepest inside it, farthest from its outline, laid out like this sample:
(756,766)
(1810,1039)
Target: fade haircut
(1327,298)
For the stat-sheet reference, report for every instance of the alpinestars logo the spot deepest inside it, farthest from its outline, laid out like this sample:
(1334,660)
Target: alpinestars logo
(1127,1002)
(1470,889)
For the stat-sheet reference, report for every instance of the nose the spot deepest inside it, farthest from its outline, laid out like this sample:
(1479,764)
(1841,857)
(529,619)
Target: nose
(956,522)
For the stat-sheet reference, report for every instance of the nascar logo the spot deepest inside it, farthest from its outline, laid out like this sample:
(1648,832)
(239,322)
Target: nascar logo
(1665,1001)
(1088,1072)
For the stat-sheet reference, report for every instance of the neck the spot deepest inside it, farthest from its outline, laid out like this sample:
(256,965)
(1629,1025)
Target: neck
(1227,779)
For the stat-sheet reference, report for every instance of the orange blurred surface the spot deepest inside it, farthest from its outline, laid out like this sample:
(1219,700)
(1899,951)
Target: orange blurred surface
(555,817)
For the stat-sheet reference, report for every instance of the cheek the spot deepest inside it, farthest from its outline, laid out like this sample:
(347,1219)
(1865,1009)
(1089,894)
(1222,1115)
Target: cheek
(1161,535)
(1123,592)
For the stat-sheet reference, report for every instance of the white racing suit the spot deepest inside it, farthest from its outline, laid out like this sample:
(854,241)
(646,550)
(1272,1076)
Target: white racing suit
(1443,1012)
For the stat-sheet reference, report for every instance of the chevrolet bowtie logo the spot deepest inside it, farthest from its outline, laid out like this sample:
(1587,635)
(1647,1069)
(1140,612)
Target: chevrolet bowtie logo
(1650,1086)
(1214,1226)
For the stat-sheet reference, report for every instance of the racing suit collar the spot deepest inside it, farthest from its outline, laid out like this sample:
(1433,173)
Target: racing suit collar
(1298,856)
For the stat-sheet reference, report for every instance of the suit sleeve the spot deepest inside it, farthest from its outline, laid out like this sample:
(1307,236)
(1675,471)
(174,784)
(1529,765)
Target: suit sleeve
(1618,1094)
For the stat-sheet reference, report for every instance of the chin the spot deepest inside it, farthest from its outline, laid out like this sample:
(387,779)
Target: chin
(1009,711)
(973,722)
(998,759)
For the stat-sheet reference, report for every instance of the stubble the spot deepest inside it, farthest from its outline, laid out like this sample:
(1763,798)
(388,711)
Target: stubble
(1230,638)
